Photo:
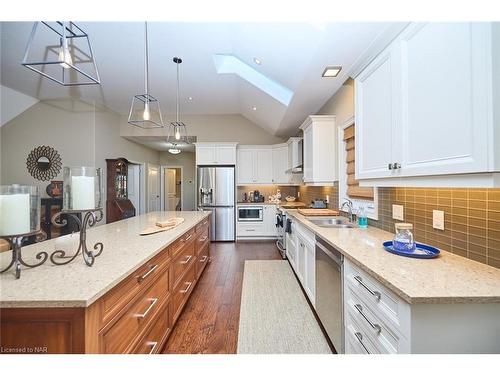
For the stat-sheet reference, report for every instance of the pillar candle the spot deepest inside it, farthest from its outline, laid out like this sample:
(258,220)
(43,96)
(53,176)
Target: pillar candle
(14,214)
(82,193)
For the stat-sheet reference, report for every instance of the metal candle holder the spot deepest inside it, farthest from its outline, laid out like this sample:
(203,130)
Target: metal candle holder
(17,260)
(90,218)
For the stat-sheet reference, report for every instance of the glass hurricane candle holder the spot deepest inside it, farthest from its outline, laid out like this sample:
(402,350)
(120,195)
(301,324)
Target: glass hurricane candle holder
(19,210)
(20,218)
(82,189)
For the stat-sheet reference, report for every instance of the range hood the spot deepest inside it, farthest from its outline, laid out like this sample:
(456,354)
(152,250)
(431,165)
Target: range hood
(295,152)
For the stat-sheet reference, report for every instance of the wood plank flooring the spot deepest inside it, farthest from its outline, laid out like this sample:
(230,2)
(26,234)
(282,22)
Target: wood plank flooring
(209,322)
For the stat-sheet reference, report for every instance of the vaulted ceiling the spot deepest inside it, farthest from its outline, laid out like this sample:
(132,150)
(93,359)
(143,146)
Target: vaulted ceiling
(292,55)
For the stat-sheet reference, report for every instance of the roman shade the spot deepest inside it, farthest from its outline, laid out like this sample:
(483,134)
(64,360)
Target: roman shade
(353,188)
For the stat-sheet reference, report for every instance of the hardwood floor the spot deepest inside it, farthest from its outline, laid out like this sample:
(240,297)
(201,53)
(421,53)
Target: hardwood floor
(209,322)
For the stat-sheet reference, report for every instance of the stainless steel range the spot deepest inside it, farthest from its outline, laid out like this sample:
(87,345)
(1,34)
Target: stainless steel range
(281,225)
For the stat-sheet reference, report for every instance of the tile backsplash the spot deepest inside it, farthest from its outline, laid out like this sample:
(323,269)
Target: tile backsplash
(471,219)
(266,190)
(308,193)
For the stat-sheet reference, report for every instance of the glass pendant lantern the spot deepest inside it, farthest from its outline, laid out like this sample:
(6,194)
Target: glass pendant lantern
(177,131)
(145,109)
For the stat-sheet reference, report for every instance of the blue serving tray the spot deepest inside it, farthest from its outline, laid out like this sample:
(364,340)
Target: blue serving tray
(421,251)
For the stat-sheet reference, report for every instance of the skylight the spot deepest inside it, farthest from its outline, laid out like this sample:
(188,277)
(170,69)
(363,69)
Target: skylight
(229,64)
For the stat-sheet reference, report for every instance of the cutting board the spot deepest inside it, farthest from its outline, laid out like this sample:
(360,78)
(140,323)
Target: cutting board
(317,212)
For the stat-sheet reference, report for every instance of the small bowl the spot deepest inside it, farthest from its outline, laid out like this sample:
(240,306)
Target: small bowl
(290,199)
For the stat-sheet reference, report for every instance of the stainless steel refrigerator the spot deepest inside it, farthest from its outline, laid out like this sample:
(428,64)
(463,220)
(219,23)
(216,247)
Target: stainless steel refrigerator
(216,193)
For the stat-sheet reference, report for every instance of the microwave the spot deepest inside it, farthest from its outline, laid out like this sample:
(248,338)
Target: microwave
(250,213)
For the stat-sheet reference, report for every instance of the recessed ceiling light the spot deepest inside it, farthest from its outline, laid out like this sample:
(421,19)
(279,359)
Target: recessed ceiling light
(174,151)
(257,61)
(190,98)
(254,108)
(332,71)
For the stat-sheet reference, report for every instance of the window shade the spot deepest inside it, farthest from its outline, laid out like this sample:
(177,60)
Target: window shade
(353,188)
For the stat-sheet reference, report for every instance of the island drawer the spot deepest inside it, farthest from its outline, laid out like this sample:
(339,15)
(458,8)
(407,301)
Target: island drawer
(114,301)
(178,245)
(153,340)
(202,259)
(202,239)
(385,304)
(182,291)
(204,225)
(182,262)
(122,334)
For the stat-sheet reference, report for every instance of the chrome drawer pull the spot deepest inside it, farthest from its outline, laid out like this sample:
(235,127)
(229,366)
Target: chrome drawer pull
(145,313)
(151,270)
(203,239)
(187,238)
(203,259)
(375,326)
(153,344)
(359,336)
(186,290)
(374,293)
(187,259)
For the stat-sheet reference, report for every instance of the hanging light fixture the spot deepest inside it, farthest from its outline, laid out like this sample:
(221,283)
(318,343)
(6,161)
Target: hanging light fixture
(177,129)
(145,109)
(69,60)
(174,149)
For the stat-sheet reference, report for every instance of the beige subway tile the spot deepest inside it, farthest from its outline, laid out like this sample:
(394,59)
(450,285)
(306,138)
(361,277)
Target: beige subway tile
(480,223)
(477,241)
(459,193)
(445,193)
(494,262)
(477,214)
(458,219)
(459,236)
(494,216)
(444,201)
(459,244)
(493,206)
(477,204)
(494,195)
(459,203)
(479,232)
(478,257)
(478,194)
(458,251)
(459,211)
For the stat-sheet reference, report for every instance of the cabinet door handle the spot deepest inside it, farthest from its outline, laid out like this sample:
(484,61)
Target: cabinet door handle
(375,326)
(203,259)
(145,313)
(249,230)
(359,336)
(396,166)
(153,346)
(390,166)
(151,270)
(374,293)
(185,261)
(187,238)
(188,287)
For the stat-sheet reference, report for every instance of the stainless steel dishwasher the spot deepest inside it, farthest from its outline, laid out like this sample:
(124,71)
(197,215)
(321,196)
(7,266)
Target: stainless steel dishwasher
(329,286)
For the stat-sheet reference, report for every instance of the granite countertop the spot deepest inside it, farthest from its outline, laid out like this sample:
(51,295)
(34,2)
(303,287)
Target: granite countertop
(76,284)
(282,203)
(447,279)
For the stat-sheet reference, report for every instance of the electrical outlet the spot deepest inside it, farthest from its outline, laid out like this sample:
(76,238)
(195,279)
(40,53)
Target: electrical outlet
(438,219)
(397,212)
(298,194)
(327,199)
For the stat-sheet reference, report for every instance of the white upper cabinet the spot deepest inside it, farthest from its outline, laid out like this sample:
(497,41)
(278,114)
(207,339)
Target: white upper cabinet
(320,150)
(424,109)
(376,95)
(280,164)
(264,165)
(444,89)
(215,153)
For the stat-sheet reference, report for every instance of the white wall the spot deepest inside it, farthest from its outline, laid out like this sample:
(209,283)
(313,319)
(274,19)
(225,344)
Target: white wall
(211,128)
(12,103)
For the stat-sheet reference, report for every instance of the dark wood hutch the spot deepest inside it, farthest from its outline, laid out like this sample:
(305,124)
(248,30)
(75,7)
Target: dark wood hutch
(118,206)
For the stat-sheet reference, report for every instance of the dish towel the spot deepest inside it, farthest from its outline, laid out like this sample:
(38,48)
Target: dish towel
(163,226)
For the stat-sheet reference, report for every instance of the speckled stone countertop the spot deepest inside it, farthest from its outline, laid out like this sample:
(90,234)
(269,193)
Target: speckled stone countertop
(76,284)
(282,203)
(447,279)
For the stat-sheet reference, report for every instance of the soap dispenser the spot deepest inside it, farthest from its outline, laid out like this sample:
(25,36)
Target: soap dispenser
(362,219)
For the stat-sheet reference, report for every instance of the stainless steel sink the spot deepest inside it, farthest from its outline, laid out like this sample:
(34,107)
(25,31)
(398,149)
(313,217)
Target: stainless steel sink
(336,222)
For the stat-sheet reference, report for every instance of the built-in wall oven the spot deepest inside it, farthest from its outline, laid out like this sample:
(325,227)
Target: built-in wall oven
(250,213)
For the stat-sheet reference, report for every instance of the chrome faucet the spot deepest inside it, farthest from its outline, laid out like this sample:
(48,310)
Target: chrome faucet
(348,203)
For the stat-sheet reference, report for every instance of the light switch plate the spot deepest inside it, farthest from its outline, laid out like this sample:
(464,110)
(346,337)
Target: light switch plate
(438,219)
(397,212)
(327,198)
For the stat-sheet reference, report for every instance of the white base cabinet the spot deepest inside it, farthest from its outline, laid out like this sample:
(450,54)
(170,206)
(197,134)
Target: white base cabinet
(305,246)
(265,229)
(378,321)
(425,107)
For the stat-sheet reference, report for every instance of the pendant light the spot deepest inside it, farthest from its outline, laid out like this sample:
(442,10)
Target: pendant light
(177,130)
(70,63)
(145,109)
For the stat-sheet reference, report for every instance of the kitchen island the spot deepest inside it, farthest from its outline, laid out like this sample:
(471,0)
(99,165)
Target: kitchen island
(127,302)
